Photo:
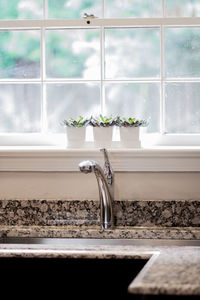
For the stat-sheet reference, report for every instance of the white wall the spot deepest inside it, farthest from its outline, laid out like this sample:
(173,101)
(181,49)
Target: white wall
(77,186)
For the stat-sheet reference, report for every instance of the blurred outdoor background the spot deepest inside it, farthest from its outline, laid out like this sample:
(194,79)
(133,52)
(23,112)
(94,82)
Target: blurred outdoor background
(131,55)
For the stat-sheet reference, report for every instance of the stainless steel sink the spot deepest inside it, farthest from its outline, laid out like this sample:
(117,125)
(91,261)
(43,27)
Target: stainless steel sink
(81,242)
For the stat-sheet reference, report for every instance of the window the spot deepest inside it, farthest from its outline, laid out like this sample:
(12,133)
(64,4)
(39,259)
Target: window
(138,57)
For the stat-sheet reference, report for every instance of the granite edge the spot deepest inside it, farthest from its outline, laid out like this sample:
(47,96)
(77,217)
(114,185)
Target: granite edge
(187,233)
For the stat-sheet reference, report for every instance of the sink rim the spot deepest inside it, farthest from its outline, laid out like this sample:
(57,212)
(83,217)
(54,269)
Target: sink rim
(83,242)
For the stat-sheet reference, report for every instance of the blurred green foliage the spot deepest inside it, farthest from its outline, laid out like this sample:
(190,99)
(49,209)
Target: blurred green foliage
(71,9)
(24,48)
(9,9)
(133,8)
(20,50)
(20,9)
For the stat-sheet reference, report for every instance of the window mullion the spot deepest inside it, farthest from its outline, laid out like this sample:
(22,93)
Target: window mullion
(162,91)
(103,8)
(102,61)
(184,79)
(43,86)
(163,9)
(109,22)
(45,9)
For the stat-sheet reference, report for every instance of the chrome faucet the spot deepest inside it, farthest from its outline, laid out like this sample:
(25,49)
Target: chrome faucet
(105,180)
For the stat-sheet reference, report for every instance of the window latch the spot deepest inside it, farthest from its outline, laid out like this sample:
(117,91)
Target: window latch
(89,17)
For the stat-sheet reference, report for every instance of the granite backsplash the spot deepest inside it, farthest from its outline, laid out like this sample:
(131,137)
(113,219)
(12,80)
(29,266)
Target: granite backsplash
(177,213)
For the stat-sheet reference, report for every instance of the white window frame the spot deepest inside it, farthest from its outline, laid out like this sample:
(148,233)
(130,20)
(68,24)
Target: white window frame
(43,139)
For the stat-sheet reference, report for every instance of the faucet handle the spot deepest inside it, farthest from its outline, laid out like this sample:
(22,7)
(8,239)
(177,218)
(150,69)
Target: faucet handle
(107,169)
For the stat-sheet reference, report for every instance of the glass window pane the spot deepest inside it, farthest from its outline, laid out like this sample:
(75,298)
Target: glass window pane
(139,100)
(73,53)
(20,108)
(183,8)
(182,52)
(73,9)
(126,54)
(133,8)
(20,54)
(71,100)
(182,107)
(21,9)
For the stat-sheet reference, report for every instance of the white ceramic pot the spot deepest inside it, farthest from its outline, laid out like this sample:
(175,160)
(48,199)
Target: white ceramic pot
(75,137)
(103,136)
(130,137)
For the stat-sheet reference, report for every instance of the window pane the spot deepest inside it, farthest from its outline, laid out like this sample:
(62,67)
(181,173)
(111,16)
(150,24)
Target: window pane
(133,8)
(71,100)
(183,8)
(73,9)
(182,52)
(21,9)
(20,107)
(73,53)
(126,52)
(140,100)
(20,54)
(182,107)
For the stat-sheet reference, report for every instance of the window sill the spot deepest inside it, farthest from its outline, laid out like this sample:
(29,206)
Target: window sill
(57,159)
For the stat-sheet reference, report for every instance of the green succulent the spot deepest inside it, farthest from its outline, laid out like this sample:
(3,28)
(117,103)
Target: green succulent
(102,121)
(80,122)
(130,122)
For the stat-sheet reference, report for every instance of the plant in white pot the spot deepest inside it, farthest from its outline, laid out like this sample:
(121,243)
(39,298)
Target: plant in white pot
(76,131)
(130,131)
(102,130)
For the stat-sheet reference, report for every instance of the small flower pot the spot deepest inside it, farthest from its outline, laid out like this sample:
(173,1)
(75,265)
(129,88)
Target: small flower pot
(102,136)
(76,137)
(130,137)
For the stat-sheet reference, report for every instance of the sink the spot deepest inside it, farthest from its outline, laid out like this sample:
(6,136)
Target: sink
(67,278)
(82,242)
(80,278)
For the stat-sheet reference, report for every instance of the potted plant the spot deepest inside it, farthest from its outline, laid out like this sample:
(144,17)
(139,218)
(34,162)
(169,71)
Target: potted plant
(130,131)
(102,130)
(76,131)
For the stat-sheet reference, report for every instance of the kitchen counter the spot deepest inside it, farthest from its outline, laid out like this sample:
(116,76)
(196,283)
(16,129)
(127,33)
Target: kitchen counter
(170,270)
(95,231)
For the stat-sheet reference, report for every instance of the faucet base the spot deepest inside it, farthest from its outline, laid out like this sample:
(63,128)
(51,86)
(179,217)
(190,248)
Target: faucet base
(107,225)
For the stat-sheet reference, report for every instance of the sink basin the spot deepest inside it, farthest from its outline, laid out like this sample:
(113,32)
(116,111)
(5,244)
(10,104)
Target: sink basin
(80,278)
(69,242)
(68,278)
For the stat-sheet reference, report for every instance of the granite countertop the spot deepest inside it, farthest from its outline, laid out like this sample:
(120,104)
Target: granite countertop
(95,231)
(170,270)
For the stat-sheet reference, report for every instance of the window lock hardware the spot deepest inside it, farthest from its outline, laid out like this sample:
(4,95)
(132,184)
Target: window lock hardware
(89,17)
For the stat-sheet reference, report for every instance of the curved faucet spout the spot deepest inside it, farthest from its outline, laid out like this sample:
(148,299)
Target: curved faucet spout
(105,191)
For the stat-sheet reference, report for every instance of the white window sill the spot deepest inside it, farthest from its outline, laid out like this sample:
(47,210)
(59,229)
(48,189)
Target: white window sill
(57,159)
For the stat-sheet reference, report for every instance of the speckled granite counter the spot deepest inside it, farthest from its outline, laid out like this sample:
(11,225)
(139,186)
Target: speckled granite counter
(154,213)
(170,270)
(133,219)
(95,231)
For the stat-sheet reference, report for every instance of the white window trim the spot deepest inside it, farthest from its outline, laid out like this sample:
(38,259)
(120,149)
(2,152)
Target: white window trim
(44,159)
(55,140)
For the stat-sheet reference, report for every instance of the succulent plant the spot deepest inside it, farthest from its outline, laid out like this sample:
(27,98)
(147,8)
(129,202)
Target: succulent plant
(102,121)
(130,122)
(80,122)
